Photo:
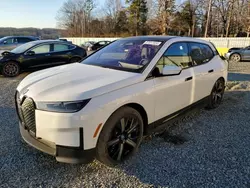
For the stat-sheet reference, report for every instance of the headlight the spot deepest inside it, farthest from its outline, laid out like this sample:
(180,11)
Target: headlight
(62,107)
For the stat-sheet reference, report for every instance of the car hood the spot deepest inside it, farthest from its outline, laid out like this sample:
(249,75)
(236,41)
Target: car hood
(74,82)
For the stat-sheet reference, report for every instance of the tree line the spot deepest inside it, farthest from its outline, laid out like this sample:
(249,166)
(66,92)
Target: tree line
(196,18)
(46,33)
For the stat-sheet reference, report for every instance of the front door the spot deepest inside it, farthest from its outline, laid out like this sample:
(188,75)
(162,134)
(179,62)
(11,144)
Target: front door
(40,58)
(173,93)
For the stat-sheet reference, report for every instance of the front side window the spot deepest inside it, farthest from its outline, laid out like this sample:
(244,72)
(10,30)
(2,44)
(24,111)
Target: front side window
(42,49)
(127,54)
(9,41)
(175,55)
(200,53)
(60,47)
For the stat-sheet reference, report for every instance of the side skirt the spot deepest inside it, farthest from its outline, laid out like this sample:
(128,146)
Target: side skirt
(167,121)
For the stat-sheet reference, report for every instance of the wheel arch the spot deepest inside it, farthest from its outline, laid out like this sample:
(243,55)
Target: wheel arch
(140,109)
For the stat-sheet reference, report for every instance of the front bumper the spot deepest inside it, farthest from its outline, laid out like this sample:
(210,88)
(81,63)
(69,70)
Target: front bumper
(63,154)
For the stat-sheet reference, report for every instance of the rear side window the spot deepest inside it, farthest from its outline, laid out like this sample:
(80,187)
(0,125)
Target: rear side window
(61,47)
(23,40)
(200,53)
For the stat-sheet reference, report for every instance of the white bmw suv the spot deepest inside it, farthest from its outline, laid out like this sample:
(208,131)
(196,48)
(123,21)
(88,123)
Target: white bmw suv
(103,106)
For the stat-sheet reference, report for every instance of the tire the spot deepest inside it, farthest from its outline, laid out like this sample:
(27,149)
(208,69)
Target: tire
(11,69)
(235,57)
(122,144)
(75,59)
(217,94)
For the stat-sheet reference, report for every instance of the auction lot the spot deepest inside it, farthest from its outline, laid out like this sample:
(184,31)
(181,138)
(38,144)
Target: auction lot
(215,153)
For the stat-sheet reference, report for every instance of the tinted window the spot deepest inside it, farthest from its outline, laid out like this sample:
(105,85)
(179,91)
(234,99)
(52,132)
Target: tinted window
(60,47)
(23,40)
(200,53)
(42,49)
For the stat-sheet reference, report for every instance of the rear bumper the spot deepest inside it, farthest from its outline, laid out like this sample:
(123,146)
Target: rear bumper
(63,154)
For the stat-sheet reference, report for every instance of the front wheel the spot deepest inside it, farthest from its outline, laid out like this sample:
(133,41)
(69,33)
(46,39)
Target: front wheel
(216,95)
(10,69)
(120,137)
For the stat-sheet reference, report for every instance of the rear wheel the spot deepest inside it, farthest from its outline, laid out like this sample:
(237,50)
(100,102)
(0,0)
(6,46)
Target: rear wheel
(235,57)
(11,69)
(216,95)
(120,137)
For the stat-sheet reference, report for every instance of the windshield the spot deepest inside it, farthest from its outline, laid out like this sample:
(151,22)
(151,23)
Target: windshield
(128,55)
(22,48)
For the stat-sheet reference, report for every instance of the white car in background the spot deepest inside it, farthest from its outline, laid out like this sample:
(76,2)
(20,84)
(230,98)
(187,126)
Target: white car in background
(101,108)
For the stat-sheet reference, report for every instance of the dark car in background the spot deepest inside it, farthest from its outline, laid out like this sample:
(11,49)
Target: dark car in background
(98,45)
(39,54)
(88,44)
(11,42)
(238,54)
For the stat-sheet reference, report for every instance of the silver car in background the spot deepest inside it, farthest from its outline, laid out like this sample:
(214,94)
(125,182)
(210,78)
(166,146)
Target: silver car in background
(238,54)
(11,42)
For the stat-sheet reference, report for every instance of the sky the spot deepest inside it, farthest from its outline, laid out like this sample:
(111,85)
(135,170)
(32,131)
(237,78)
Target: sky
(29,13)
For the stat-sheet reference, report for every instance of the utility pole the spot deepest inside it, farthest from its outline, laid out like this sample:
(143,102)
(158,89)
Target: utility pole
(208,17)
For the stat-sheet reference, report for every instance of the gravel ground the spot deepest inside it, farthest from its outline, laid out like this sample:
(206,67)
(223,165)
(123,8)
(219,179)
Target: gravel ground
(214,153)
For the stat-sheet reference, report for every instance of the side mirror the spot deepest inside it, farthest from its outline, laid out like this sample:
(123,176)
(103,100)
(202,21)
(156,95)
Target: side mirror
(4,42)
(171,70)
(30,53)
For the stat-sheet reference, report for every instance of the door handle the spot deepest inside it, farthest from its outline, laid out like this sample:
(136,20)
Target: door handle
(47,55)
(189,78)
(212,70)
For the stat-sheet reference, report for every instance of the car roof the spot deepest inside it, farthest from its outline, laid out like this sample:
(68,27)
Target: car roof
(19,37)
(50,41)
(160,38)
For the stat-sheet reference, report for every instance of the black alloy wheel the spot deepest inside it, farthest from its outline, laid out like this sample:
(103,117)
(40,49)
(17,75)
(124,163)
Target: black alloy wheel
(120,137)
(11,69)
(217,94)
(124,138)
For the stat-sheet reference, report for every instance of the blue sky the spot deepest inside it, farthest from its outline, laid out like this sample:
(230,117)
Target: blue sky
(29,13)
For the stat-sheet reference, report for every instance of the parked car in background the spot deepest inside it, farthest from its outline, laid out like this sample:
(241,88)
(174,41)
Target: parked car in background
(11,42)
(65,40)
(104,105)
(38,54)
(98,45)
(88,44)
(238,54)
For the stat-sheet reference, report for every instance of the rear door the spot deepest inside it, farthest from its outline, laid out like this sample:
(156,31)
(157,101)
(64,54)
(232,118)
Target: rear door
(61,53)
(204,66)
(41,58)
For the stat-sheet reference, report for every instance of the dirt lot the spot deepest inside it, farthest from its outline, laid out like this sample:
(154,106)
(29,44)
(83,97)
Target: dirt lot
(215,152)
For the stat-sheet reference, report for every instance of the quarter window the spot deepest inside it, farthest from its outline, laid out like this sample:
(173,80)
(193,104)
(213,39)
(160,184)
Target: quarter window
(42,49)
(200,53)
